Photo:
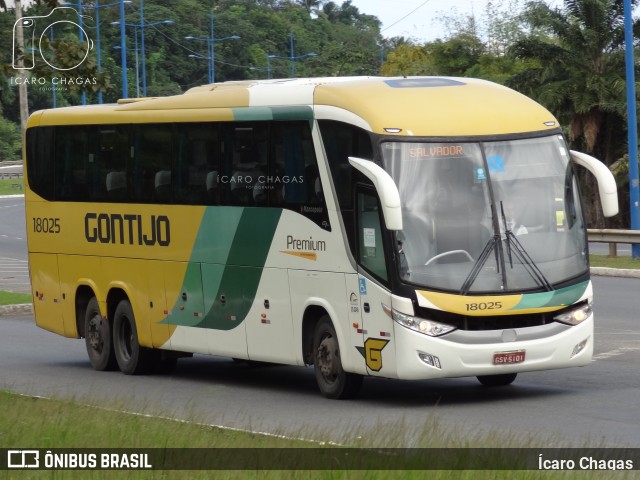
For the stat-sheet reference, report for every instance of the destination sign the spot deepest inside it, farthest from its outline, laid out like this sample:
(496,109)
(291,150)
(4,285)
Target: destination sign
(434,151)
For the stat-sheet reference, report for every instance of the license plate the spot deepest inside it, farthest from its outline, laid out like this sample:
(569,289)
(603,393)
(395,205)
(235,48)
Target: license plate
(508,358)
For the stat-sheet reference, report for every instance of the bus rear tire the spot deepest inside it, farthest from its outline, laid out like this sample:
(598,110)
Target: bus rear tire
(98,338)
(497,380)
(332,380)
(131,357)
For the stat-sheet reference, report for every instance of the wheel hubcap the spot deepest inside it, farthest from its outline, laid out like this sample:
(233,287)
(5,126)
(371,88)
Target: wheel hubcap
(327,358)
(94,334)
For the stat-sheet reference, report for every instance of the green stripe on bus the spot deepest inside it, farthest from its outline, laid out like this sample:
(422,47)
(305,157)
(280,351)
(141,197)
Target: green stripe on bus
(242,273)
(557,298)
(247,114)
(228,259)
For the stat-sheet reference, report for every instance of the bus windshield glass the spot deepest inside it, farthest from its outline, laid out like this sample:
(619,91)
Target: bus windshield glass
(487,216)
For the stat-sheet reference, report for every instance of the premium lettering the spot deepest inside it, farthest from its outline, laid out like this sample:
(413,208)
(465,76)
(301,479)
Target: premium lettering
(308,245)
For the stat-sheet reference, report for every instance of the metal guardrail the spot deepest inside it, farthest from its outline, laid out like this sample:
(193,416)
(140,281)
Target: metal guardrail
(5,176)
(613,237)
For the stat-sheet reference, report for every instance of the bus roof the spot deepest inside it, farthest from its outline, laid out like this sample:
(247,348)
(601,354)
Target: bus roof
(405,106)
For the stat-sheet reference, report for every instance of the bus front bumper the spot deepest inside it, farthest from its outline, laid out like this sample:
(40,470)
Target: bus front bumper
(465,354)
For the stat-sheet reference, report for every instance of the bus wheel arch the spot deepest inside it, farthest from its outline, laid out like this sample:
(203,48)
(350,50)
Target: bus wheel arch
(84,294)
(311,317)
(331,378)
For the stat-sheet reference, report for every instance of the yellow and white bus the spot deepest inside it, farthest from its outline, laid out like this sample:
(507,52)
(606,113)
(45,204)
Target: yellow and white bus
(407,228)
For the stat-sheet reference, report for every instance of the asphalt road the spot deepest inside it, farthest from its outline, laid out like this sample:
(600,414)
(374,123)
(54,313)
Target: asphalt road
(592,406)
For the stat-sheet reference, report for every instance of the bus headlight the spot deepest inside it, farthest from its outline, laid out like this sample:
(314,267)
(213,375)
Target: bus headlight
(575,316)
(422,325)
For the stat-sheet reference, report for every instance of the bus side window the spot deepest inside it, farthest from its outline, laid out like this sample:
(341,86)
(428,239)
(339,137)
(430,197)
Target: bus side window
(370,245)
(248,164)
(113,155)
(151,166)
(73,162)
(290,173)
(41,160)
(342,141)
(197,163)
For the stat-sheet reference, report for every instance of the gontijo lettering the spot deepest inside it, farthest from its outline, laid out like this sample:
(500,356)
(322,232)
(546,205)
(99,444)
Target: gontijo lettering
(127,229)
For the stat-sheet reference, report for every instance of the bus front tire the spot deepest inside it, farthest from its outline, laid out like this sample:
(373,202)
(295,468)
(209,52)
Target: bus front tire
(497,380)
(332,380)
(132,358)
(98,338)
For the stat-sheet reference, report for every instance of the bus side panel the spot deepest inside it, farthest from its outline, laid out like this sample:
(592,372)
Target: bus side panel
(160,330)
(76,270)
(132,277)
(326,290)
(185,303)
(227,301)
(269,325)
(45,284)
(379,340)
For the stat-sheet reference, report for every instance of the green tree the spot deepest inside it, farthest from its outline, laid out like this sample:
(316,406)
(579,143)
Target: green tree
(580,69)
(580,77)
(408,59)
(455,55)
(10,140)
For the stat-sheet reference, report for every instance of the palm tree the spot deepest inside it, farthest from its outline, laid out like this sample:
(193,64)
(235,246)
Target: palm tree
(580,74)
(310,5)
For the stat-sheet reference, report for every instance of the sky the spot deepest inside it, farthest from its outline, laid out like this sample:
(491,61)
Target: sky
(420,23)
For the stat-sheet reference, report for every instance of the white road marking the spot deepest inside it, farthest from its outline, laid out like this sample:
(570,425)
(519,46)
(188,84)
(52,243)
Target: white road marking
(615,353)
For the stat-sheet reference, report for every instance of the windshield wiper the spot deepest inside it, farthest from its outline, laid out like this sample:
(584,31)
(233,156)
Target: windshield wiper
(492,244)
(521,254)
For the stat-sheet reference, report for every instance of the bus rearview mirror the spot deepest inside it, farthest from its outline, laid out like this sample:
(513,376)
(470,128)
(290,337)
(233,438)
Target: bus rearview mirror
(606,182)
(386,188)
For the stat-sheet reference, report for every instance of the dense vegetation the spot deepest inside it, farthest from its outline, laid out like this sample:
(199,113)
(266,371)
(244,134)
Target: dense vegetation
(570,59)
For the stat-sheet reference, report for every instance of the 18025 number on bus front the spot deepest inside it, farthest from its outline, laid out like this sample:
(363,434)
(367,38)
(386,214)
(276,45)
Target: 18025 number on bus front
(472,307)
(46,225)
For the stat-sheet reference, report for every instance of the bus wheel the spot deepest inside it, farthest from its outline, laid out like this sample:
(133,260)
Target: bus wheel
(97,337)
(332,380)
(132,358)
(497,380)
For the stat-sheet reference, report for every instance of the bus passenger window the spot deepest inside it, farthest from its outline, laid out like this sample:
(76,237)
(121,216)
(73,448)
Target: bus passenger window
(73,168)
(41,160)
(248,165)
(113,155)
(197,163)
(151,166)
(342,141)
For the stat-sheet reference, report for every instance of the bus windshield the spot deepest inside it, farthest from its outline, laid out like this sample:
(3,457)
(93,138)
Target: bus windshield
(487,216)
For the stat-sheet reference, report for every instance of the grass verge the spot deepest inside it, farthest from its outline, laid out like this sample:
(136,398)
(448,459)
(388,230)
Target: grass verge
(28,422)
(613,262)
(14,298)
(7,186)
